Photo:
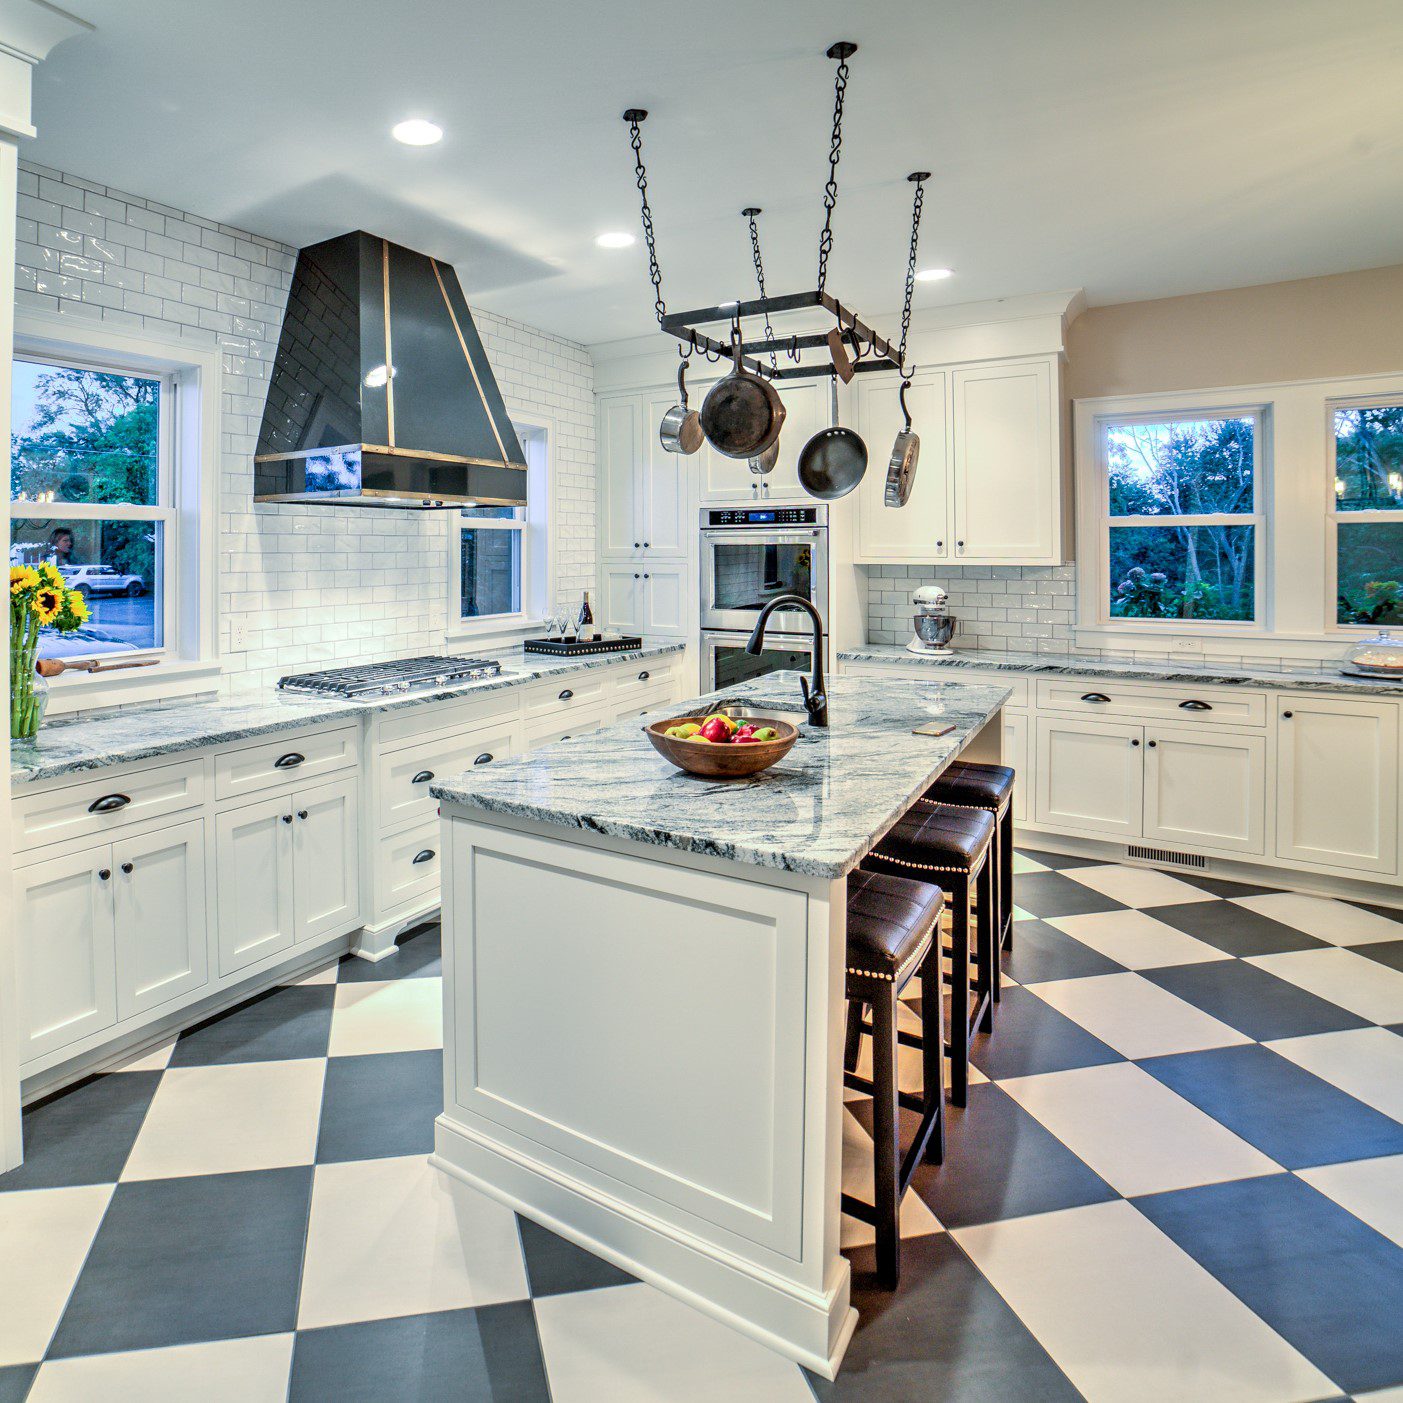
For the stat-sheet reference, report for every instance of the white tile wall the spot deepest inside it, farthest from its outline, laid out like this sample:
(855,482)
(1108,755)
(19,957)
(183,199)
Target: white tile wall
(313,586)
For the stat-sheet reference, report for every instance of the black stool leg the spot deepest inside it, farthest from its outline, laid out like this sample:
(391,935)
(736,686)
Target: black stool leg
(959,992)
(1006,875)
(853,1044)
(885,1136)
(988,934)
(933,1051)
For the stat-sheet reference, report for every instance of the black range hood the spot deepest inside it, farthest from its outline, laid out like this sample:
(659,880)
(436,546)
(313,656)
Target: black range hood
(381,394)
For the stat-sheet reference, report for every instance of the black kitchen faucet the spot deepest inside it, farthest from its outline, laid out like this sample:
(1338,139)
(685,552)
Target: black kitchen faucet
(815,697)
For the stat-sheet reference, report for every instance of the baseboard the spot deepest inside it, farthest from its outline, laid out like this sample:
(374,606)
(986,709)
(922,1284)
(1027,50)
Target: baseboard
(377,942)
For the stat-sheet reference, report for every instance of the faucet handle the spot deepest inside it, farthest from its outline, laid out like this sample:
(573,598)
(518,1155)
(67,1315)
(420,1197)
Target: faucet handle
(804,687)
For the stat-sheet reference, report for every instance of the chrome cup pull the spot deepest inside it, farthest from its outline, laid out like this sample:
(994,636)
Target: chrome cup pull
(1100,698)
(290,761)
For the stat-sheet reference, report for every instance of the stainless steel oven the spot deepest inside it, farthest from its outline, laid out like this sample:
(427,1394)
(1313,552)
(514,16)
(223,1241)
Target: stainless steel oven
(751,554)
(726,663)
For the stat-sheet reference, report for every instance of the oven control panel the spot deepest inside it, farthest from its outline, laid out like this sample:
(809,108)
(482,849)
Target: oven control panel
(765,516)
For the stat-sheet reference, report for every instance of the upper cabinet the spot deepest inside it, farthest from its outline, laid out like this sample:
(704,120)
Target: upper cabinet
(643,496)
(990,485)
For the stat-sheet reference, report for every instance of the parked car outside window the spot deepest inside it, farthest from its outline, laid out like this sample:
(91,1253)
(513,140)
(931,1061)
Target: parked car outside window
(102,579)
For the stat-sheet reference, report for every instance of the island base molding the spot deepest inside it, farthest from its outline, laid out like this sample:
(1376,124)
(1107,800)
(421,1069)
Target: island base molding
(813,1330)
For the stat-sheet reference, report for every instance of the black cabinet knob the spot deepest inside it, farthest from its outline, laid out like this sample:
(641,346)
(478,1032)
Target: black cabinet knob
(287,818)
(635,545)
(1286,715)
(302,813)
(645,545)
(1151,743)
(127,868)
(104,873)
(1135,742)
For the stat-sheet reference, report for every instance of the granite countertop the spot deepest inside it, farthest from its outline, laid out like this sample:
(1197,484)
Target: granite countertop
(71,745)
(818,812)
(1041,664)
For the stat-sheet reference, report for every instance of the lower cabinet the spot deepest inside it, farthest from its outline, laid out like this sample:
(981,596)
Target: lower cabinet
(1089,776)
(1337,783)
(1018,756)
(647,597)
(1205,789)
(325,861)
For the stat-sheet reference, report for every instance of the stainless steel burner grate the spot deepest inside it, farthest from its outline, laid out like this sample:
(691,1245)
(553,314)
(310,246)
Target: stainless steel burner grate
(386,679)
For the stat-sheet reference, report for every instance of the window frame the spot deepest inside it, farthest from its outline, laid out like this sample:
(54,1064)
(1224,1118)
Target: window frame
(192,427)
(1334,517)
(1259,518)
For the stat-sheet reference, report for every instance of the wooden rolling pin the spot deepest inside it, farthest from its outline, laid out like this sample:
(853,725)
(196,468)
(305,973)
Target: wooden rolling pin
(51,667)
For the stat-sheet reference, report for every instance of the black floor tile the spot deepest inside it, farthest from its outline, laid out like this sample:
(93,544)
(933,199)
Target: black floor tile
(419,955)
(208,1257)
(1041,952)
(1253,1001)
(1001,1163)
(1031,1036)
(1290,1115)
(84,1134)
(282,1025)
(488,1355)
(1057,861)
(1386,952)
(555,1266)
(1220,886)
(1051,894)
(944,1334)
(1326,1282)
(380,1105)
(1234,929)
(15,1380)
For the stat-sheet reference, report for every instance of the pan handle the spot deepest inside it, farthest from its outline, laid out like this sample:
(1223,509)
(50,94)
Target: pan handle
(905,385)
(682,377)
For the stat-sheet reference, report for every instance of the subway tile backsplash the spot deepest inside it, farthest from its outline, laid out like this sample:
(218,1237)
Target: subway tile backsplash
(312,586)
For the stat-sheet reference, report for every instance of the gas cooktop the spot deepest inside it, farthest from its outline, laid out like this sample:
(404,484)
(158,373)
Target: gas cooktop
(388,679)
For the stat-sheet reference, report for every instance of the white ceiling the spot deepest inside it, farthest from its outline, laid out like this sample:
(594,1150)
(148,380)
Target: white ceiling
(1133,148)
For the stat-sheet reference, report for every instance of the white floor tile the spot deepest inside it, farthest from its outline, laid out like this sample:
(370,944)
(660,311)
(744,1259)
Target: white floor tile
(1354,982)
(403,1015)
(634,1344)
(219,1120)
(1365,1062)
(45,1235)
(251,1370)
(1130,1317)
(393,1237)
(325,975)
(1135,1017)
(1137,1134)
(1137,886)
(154,1059)
(916,1220)
(1371,1189)
(1136,940)
(1027,864)
(1335,921)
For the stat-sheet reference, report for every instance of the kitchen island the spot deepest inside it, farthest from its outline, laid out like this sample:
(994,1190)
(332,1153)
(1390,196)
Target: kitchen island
(644,993)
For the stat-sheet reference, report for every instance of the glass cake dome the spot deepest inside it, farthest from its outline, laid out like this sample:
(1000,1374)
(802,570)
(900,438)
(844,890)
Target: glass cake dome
(1379,656)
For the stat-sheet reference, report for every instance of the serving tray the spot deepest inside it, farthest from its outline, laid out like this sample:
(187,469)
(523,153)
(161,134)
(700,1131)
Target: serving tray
(573,648)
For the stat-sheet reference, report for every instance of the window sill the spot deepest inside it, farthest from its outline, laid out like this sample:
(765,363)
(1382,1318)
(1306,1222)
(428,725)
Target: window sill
(507,629)
(167,681)
(1209,642)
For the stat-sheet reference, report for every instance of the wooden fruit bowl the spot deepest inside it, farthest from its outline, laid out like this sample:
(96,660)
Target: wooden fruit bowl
(722,761)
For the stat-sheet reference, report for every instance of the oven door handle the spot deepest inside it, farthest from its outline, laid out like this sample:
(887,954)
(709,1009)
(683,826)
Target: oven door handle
(761,536)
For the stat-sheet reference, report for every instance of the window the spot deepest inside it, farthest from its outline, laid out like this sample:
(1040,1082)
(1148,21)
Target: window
(1182,523)
(91,488)
(1367,513)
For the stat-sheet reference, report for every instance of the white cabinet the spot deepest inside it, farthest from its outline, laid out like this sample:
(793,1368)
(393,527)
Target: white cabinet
(253,870)
(326,871)
(1018,755)
(665,526)
(647,596)
(643,489)
(1337,783)
(1006,469)
(725,480)
(1205,789)
(921,529)
(66,945)
(159,898)
(1089,776)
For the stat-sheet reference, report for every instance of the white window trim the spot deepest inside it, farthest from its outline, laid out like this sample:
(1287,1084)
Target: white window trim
(1299,603)
(538,432)
(188,661)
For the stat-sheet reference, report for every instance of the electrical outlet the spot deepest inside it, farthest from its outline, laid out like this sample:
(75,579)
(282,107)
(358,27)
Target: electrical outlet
(238,636)
(1187,647)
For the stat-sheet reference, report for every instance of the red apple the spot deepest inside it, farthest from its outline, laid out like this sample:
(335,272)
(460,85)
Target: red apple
(717,730)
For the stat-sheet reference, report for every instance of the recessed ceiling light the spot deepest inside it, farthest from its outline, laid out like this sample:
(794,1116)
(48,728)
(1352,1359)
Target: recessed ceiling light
(615,238)
(934,275)
(417,132)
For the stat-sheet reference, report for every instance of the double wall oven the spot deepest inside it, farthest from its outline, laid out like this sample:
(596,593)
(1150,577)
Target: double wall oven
(750,555)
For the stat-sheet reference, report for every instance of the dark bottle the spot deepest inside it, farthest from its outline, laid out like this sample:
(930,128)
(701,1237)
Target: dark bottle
(585,623)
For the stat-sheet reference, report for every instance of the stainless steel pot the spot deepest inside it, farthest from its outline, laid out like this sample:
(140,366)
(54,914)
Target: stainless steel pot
(742,413)
(901,466)
(680,430)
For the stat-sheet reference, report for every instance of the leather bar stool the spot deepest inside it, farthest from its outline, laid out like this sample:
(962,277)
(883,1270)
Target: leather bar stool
(969,785)
(938,843)
(892,928)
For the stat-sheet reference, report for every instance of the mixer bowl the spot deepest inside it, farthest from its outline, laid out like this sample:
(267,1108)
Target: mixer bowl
(935,630)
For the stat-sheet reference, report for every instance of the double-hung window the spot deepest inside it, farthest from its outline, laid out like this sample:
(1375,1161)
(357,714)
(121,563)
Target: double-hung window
(1182,522)
(92,490)
(1366,512)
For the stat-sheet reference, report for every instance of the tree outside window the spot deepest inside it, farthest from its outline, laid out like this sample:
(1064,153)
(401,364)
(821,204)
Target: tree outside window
(1368,514)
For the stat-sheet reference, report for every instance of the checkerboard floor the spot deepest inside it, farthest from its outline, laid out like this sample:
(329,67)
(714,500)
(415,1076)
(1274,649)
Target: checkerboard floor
(1179,1176)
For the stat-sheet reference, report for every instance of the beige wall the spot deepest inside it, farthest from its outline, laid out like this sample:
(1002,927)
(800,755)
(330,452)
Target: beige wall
(1345,324)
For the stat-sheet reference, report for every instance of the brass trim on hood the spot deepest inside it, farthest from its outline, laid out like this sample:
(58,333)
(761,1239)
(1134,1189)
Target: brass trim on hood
(389,359)
(392,452)
(458,332)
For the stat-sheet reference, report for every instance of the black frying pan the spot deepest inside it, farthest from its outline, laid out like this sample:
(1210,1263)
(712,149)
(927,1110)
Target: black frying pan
(833,461)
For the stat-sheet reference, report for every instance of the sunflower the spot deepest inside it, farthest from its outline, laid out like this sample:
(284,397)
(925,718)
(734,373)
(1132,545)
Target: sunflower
(77,608)
(51,574)
(47,603)
(22,578)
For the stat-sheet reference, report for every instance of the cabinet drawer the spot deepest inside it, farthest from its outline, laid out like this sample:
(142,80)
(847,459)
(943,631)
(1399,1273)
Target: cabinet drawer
(1019,686)
(567,694)
(1098,696)
(635,681)
(407,867)
(435,720)
(300,756)
(105,803)
(546,730)
(403,777)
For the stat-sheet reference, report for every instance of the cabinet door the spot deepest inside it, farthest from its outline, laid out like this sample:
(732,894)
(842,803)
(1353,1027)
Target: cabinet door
(665,597)
(66,954)
(1006,472)
(253,877)
(623,597)
(664,524)
(919,530)
(1206,789)
(806,411)
(159,900)
(325,860)
(725,479)
(1337,783)
(1017,742)
(1090,776)
(621,462)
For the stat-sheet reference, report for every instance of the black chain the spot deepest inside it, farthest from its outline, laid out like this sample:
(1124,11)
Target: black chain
(760,280)
(830,190)
(919,179)
(633,116)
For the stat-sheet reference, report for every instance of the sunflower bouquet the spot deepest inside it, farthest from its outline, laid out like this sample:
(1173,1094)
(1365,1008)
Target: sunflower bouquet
(38,599)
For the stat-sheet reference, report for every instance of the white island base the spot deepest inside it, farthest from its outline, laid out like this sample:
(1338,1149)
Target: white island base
(643,1053)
